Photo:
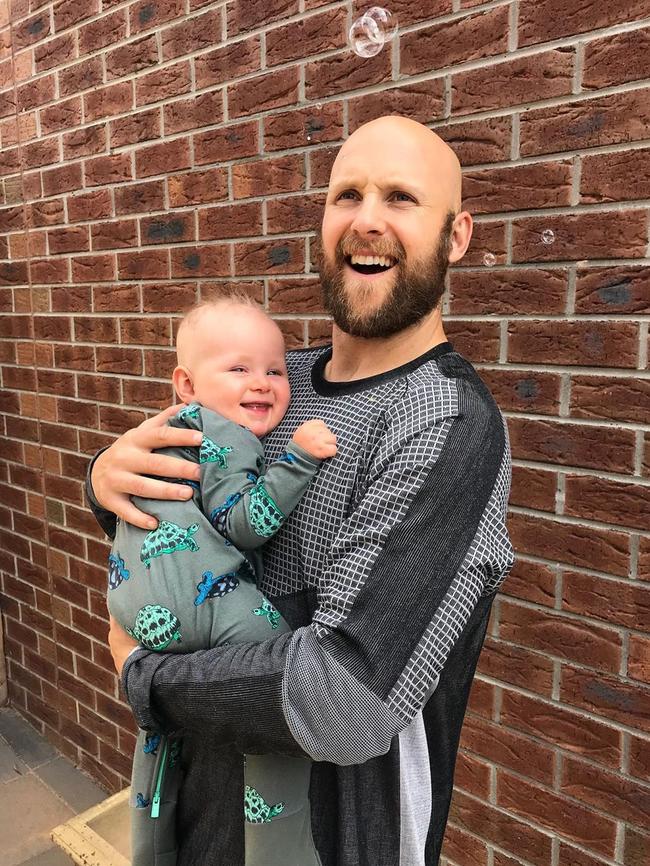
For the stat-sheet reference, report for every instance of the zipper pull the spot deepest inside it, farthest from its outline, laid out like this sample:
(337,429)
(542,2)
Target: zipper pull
(160,775)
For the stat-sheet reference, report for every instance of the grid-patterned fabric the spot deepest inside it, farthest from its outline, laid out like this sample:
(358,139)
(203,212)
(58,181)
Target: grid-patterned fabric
(386,569)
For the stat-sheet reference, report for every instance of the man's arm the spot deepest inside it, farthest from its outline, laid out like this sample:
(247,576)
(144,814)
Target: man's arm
(406,571)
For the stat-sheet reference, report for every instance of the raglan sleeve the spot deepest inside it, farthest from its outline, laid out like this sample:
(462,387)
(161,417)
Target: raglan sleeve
(423,542)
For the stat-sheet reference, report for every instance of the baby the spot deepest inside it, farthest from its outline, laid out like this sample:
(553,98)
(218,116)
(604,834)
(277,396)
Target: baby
(191,583)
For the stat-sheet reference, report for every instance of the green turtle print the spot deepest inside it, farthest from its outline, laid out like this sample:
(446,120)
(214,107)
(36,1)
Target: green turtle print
(210,452)
(191,411)
(167,537)
(266,609)
(257,810)
(155,627)
(266,518)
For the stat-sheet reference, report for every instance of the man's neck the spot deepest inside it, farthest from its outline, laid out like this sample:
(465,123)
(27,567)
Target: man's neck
(359,358)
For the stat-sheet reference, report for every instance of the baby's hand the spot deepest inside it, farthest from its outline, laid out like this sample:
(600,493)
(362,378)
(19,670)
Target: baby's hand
(316,438)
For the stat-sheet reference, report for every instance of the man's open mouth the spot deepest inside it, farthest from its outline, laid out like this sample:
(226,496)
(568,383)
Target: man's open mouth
(370,264)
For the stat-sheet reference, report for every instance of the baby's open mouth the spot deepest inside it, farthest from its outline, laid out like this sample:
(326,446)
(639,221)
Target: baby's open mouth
(257,407)
(370,264)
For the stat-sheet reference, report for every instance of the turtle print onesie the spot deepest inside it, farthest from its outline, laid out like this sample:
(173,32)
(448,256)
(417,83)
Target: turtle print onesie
(190,584)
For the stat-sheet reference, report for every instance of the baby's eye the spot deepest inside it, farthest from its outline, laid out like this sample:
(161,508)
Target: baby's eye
(275,373)
(238,369)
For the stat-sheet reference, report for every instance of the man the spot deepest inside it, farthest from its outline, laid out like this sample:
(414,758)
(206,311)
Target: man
(388,567)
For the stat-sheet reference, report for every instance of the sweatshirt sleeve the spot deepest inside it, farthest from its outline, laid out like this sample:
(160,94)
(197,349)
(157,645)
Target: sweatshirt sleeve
(422,545)
(244,500)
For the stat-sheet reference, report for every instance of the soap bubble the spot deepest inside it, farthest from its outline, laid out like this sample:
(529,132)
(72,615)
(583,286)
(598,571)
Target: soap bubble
(384,20)
(548,237)
(369,33)
(490,260)
(319,106)
(365,37)
(309,138)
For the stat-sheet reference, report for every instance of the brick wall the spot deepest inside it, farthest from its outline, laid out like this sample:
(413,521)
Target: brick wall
(153,150)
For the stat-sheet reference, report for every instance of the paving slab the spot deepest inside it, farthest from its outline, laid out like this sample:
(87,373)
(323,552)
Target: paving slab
(26,742)
(29,811)
(10,764)
(78,791)
(54,856)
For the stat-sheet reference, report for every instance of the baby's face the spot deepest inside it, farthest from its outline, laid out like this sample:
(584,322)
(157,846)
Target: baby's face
(239,369)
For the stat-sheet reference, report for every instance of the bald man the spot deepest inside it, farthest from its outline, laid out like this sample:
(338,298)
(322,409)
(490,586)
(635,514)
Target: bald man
(388,567)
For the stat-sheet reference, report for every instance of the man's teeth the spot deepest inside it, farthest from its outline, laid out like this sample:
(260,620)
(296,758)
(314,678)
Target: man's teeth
(383,261)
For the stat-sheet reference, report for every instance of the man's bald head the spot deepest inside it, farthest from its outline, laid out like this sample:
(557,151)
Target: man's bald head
(406,144)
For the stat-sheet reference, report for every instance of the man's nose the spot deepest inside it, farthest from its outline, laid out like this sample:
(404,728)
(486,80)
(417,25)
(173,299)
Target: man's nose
(369,217)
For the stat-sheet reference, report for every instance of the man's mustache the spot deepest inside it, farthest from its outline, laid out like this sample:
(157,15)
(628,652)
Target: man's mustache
(352,244)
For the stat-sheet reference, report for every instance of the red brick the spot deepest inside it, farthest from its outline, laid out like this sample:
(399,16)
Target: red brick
(462,849)
(594,122)
(560,636)
(295,296)
(232,142)
(147,331)
(167,229)
(245,15)
(550,19)
(36,93)
(616,59)
(581,546)
(145,14)
(621,176)
(423,102)
(140,126)
(597,397)
(496,743)
(293,332)
(624,603)
(478,141)
(514,82)
(155,395)
(51,328)
(30,30)
(93,268)
(406,12)
(295,213)
(491,190)
(533,488)
(271,90)
(517,665)
(488,238)
(556,813)
(171,298)
(149,265)
(115,299)
(477,341)
(230,62)
(640,758)
(230,221)
(62,115)
(596,344)
(48,271)
(82,76)
(572,444)
(55,52)
(607,501)
(197,187)
(295,128)
(507,292)
(63,179)
(345,72)
(69,12)
(192,35)
(140,197)
(163,83)
(637,847)
(108,169)
(500,828)
(108,101)
(90,206)
(638,663)
(70,299)
(132,57)
(105,31)
(114,235)
(312,35)
(164,157)
(201,261)
(622,798)
(616,234)
(613,290)
(273,176)
(203,109)
(452,42)
(68,240)
(84,142)
(263,257)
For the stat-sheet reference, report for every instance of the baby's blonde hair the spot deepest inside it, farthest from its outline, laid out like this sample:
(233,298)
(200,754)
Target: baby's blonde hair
(231,297)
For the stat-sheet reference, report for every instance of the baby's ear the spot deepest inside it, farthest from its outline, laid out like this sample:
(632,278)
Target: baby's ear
(183,385)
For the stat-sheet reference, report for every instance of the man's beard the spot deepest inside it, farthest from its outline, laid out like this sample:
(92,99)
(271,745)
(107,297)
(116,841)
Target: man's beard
(417,288)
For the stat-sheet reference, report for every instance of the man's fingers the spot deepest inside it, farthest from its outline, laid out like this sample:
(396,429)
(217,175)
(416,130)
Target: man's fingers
(150,488)
(171,467)
(163,417)
(124,508)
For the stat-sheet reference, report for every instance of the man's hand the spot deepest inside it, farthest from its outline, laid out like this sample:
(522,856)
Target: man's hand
(120,644)
(118,472)
(316,438)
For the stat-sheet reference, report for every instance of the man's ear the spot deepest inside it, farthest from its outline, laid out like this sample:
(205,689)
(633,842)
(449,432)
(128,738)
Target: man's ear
(461,234)
(183,385)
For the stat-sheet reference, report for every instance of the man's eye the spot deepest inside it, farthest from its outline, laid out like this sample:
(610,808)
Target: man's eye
(347,195)
(402,196)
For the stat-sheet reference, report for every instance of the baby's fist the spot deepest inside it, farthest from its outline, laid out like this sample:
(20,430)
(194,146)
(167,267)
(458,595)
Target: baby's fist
(316,439)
